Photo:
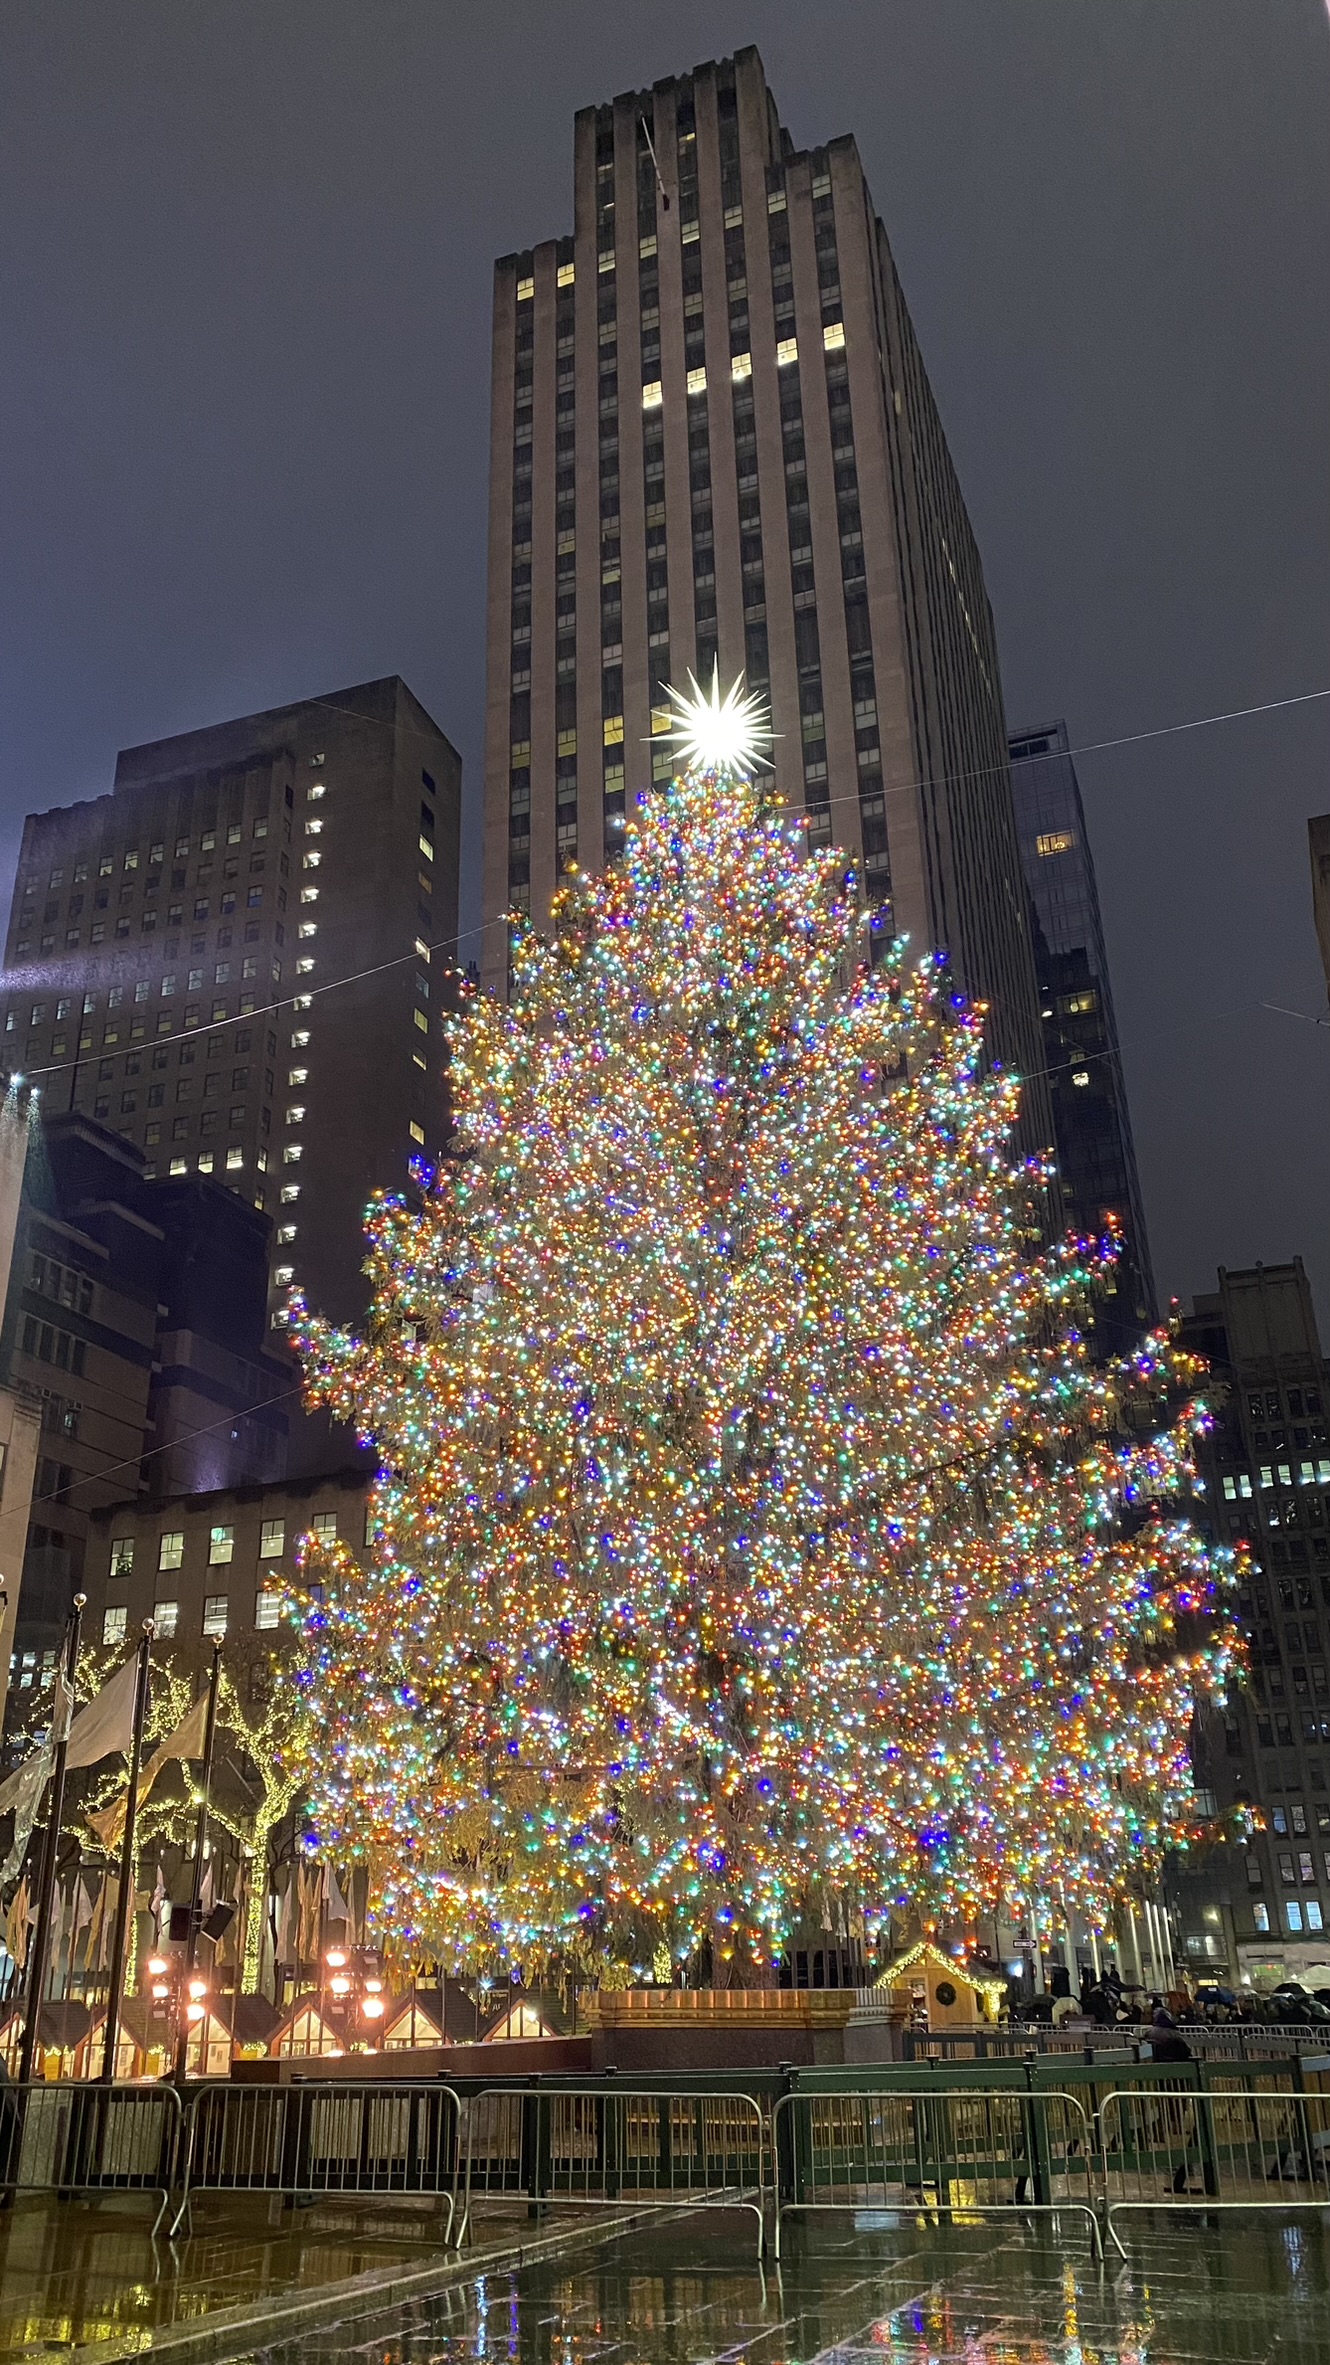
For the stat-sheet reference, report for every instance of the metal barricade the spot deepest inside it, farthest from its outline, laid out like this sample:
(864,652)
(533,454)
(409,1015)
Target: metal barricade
(958,2152)
(1168,2147)
(615,2147)
(313,2139)
(76,2136)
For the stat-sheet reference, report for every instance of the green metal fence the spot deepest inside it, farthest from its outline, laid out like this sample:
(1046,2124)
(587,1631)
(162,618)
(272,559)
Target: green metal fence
(1090,2139)
(317,2138)
(965,2152)
(1226,2147)
(614,2147)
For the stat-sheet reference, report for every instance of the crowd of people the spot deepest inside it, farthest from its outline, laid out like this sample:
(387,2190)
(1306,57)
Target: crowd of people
(1106,2003)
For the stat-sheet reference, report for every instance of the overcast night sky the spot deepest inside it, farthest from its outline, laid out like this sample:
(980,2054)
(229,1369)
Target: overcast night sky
(245,257)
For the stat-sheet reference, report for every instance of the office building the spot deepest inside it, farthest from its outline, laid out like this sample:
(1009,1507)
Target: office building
(1260,1908)
(1091,1126)
(237,961)
(713,440)
(20,1409)
(203,1565)
(135,1333)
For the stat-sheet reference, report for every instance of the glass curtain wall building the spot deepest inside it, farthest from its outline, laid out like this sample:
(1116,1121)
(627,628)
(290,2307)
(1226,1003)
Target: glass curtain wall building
(1082,1061)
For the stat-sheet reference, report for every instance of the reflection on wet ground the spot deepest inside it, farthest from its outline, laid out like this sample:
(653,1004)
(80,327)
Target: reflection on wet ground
(879,2291)
(73,2273)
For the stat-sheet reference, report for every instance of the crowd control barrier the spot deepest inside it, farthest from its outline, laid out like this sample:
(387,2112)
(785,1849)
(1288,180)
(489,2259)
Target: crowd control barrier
(78,2137)
(959,2152)
(314,2139)
(1164,2148)
(615,2147)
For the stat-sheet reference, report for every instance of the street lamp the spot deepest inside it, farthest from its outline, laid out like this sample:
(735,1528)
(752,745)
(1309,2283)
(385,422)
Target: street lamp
(355,1989)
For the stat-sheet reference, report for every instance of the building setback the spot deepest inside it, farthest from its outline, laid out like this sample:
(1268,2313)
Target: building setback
(1091,1125)
(174,953)
(713,439)
(1262,1907)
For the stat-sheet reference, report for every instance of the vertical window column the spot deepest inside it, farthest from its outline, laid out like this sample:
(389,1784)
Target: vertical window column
(519,718)
(653,487)
(611,552)
(854,585)
(699,462)
(565,561)
(808,653)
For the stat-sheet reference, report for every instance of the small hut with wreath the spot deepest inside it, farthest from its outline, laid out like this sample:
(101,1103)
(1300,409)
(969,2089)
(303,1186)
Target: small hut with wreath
(932,1990)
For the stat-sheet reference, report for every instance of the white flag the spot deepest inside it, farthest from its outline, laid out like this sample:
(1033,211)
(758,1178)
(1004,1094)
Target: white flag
(19,1783)
(185,1741)
(23,1792)
(107,1723)
(288,1924)
(82,1903)
(62,1706)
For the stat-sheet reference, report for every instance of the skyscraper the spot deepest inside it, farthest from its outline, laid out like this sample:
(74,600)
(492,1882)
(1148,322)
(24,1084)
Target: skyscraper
(1260,1907)
(237,961)
(713,439)
(135,1326)
(1091,1126)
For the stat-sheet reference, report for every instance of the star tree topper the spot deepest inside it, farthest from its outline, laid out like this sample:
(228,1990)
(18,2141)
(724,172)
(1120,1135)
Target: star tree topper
(715,734)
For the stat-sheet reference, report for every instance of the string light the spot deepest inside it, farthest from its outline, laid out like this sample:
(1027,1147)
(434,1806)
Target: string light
(753,1538)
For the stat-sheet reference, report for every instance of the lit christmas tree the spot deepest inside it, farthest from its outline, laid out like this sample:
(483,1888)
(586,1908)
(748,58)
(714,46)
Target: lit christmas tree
(752,1532)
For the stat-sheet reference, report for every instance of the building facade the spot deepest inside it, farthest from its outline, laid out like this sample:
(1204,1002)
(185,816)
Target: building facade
(20,1411)
(134,1331)
(713,441)
(1260,1908)
(237,961)
(1081,1058)
(204,1566)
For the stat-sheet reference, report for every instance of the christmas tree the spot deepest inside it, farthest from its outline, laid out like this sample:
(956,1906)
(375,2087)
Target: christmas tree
(753,1539)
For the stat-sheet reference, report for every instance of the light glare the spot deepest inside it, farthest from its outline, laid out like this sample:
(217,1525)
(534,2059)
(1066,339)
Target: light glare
(715,734)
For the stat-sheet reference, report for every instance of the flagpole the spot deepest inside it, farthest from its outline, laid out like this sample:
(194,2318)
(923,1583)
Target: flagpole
(200,1836)
(125,1898)
(41,1937)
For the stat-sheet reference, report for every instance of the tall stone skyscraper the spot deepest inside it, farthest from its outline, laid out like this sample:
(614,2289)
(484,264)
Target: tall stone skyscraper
(1082,1060)
(713,440)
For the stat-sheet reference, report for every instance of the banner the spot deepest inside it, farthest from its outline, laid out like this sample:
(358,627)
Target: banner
(18,1924)
(184,1742)
(23,1792)
(107,1723)
(310,1927)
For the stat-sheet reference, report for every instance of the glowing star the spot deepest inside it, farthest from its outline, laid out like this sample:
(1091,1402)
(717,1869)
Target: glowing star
(718,734)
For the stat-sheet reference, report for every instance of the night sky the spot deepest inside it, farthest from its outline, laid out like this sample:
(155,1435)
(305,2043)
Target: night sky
(245,257)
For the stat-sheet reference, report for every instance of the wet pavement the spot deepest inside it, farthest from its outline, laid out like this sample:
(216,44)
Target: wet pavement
(77,2273)
(877,2291)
